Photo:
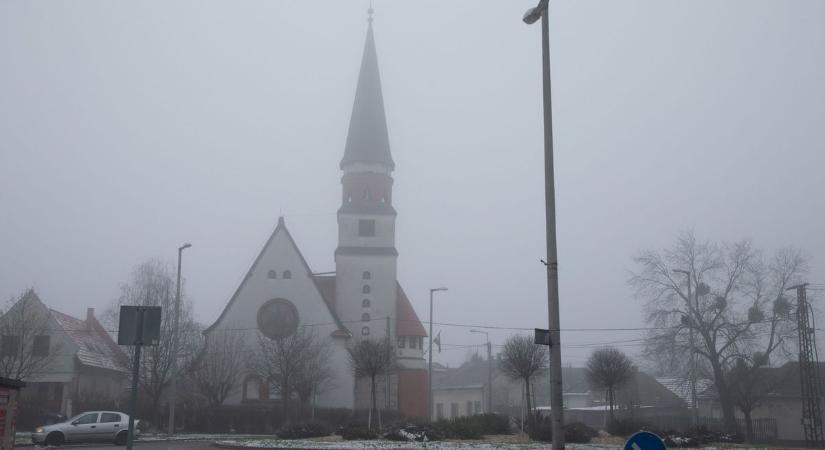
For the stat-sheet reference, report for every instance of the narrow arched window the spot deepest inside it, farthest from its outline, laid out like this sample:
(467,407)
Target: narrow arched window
(366,289)
(272,274)
(365,317)
(287,274)
(365,331)
(366,276)
(365,303)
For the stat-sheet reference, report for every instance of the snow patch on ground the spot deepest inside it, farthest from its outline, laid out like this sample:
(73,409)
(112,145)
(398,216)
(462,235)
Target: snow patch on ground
(393,445)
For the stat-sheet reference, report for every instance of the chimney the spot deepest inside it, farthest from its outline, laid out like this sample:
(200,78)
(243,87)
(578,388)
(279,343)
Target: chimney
(90,318)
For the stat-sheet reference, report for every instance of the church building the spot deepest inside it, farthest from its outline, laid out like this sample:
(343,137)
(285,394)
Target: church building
(362,299)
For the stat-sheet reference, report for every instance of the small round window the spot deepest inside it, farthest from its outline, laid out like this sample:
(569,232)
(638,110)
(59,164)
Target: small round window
(277,318)
(366,275)
(365,331)
(365,303)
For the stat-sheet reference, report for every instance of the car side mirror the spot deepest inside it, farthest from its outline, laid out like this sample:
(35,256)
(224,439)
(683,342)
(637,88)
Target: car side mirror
(74,423)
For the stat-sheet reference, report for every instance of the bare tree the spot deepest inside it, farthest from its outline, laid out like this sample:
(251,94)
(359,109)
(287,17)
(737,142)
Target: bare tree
(315,375)
(609,369)
(152,283)
(284,360)
(371,358)
(520,360)
(215,371)
(736,309)
(750,383)
(25,337)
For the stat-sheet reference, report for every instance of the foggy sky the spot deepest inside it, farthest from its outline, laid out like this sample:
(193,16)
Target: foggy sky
(128,128)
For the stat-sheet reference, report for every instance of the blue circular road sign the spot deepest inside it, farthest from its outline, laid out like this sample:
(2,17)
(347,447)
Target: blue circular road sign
(644,440)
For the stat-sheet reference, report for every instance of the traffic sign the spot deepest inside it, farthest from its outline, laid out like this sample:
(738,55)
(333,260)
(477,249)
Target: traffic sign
(644,440)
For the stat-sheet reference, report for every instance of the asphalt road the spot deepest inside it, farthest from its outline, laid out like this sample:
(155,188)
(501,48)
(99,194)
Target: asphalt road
(157,445)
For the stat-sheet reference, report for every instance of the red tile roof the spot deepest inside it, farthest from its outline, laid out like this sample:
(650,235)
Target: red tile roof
(95,346)
(407,322)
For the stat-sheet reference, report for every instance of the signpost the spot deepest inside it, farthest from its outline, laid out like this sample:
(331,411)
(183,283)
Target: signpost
(644,440)
(542,337)
(138,326)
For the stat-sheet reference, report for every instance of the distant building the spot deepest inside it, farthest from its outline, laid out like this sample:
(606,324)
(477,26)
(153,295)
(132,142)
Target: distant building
(82,365)
(778,403)
(462,391)
(353,303)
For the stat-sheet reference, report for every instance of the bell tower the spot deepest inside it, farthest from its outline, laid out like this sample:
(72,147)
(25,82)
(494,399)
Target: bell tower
(365,259)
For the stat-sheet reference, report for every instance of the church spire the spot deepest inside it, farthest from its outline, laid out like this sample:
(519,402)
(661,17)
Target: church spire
(368,140)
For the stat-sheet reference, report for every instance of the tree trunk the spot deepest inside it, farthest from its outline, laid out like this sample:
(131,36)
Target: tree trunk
(748,425)
(610,401)
(373,402)
(530,417)
(728,411)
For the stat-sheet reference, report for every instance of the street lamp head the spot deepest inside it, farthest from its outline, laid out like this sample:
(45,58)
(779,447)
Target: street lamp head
(184,246)
(534,14)
(438,289)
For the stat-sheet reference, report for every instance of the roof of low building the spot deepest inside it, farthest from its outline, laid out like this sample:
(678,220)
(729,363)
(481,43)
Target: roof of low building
(96,348)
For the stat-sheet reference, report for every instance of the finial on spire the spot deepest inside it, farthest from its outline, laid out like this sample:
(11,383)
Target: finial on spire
(370,12)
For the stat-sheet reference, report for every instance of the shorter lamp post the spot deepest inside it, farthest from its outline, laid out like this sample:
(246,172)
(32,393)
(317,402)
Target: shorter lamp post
(430,362)
(489,407)
(173,389)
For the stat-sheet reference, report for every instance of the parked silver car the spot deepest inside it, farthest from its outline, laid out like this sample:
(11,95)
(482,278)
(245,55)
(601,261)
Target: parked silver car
(92,426)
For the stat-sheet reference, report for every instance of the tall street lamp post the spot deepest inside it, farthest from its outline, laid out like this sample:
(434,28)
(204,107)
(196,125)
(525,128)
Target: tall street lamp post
(173,390)
(541,11)
(489,408)
(687,274)
(430,362)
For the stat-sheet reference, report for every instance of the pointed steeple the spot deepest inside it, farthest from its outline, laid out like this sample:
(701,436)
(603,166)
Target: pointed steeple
(368,140)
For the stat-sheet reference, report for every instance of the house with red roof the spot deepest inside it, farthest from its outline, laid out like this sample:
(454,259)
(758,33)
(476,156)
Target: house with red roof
(67,363)
(362,298)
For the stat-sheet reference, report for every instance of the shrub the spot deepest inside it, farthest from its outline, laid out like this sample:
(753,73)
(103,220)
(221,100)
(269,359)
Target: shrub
(578,433)
(354,432)
(304,430)
(492,423)
(626,427)
(459,428)
(574,432)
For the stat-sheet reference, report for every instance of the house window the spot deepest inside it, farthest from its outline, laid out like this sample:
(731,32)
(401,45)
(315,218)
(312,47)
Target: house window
(469,408)
(272,274)
(365,331)
(10,345)
(439,411)
(421,342)
(366,289)
(453,409)
(41,345)
(366,227)
(365,317)
(365,303)
(401,341)
(412,341)
(366,276)
(477,407)
(287,274)
(252,388)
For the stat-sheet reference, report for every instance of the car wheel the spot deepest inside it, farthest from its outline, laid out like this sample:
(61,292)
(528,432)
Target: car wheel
(55,438)
(120,439)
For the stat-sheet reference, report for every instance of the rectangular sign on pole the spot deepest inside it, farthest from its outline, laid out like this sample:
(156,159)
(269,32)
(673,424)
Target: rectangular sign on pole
(128,332)
(542,337)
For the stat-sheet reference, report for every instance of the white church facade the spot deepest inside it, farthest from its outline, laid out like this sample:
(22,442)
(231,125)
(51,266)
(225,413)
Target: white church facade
(354,302)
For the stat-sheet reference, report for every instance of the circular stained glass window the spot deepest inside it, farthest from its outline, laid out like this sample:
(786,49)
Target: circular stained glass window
(278,318)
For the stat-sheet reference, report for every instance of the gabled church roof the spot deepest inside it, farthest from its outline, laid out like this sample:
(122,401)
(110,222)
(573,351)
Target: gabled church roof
(342,331)
(368,140)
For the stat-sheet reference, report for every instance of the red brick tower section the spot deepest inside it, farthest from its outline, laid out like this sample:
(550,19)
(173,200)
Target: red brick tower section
(412,374)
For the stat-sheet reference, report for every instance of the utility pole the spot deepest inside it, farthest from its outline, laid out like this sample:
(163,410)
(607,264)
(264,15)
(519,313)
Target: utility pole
(489,407)
(542,11)
(692,375)
(808,372)
(430,361)
(173,389)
